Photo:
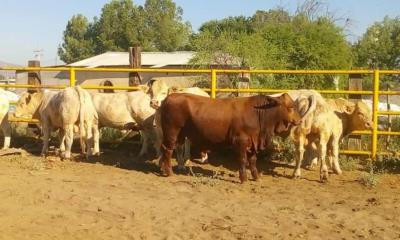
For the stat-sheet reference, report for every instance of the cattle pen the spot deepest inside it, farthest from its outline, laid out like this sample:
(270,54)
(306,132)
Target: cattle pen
(213,73)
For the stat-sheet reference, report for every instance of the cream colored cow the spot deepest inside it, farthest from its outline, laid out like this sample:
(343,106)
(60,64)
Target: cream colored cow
(5,124)
(125,111)
(325,127)
(62,110)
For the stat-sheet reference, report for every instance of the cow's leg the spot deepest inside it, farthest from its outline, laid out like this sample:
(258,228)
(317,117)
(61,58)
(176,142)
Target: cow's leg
(299,157)
(165,160)
(242,159)
(69,137)
(89,139)
(186,150)
(46,136)
(6,128)
(61,136)
(96,137)
(313,154)
(322,155)
(144,140)
(170,137)
(204,157)
(335,156)
(180,155)
(252,158)
(158,140)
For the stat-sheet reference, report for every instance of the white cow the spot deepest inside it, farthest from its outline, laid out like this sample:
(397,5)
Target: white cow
(5,98)
(127,110)
(325,125)
(158,92)
(62,110)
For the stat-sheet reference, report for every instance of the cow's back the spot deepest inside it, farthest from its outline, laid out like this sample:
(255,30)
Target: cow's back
(60,107)
(204,120)
(117,109)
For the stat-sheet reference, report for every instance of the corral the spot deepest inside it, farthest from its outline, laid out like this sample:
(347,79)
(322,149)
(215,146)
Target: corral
(112,197)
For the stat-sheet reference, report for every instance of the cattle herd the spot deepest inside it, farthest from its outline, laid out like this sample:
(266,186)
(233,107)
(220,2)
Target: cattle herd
(171,119)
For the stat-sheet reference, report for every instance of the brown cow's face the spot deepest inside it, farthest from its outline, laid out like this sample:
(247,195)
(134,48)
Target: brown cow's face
(289,116)
(27,105)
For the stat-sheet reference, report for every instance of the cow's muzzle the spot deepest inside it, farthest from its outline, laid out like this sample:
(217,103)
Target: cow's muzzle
(155,104)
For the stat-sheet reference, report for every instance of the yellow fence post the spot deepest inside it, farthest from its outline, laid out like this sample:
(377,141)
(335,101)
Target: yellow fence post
(72,77)
(213,83)
(375,104)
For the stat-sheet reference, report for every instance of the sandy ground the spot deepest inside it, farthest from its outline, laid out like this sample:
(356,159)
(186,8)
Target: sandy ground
(111,197)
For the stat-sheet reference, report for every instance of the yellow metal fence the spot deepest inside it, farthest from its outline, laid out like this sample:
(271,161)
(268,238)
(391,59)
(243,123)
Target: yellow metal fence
(213,90)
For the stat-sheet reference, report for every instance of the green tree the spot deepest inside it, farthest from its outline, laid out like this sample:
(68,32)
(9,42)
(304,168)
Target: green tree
(276,40)
(379,47)
(156,26)
(77,43)
(118,27)
(163,27)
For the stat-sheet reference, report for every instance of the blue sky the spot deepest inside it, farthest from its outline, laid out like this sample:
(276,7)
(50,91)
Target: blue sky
(28,25)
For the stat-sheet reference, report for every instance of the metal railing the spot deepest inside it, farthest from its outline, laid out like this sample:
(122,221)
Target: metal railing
(213,90)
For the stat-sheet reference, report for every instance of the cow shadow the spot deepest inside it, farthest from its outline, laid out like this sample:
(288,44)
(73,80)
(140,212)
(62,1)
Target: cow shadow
(124,155)
(225,158)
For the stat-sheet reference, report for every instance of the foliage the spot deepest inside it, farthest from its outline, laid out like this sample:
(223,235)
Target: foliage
(77,43)
(348,163)
(275,40)
(379,47)
(156,26)
(388,164)
(118,26)
(369,178)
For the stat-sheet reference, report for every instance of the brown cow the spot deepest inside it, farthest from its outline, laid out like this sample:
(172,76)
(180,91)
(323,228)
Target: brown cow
(246,124)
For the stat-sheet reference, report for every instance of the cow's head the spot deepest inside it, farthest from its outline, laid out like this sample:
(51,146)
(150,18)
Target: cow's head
(158,91)
(288,114)
(357,115)
(28,104)
(361,116)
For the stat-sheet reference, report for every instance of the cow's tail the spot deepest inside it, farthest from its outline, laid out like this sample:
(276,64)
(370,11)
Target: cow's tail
(307,116)
(82,128)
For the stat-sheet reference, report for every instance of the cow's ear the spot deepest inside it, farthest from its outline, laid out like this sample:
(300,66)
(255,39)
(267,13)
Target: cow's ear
(144,88)
(150,82)
(173,89)
(286,100)
(28,99)
(349,109)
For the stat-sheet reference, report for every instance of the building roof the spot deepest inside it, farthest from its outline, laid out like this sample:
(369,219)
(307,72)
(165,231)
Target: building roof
(149,59)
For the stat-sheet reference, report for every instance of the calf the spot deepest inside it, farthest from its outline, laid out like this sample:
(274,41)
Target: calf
(246,124)
(62,110)
(325,126)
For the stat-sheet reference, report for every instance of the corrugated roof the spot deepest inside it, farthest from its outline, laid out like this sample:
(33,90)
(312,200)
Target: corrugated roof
(150,59)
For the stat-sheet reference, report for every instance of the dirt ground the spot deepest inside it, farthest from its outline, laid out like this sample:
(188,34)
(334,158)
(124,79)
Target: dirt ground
(111,197)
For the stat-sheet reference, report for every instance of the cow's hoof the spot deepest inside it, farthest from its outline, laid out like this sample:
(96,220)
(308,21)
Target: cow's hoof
(166,172)
(311,167)
(296,174)
(323,177)
(337,171)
